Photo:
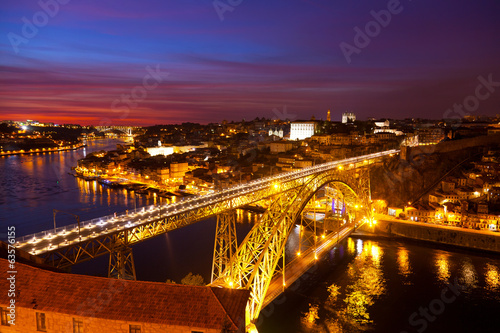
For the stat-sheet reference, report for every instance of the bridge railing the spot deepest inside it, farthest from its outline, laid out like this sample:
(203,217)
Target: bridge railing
(199,199)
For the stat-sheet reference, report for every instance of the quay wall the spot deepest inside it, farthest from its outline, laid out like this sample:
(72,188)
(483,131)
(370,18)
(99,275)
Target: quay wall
(466,238)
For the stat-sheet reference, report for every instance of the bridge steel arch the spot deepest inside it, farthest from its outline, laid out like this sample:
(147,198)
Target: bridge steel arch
(254,264)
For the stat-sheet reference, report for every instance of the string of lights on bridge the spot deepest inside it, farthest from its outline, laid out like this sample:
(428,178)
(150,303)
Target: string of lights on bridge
(49,240)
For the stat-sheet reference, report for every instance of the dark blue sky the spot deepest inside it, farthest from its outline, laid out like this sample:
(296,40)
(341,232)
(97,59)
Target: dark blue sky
(91,62)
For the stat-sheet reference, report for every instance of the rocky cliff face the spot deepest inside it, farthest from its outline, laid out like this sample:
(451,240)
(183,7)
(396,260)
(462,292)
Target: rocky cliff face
(400,181)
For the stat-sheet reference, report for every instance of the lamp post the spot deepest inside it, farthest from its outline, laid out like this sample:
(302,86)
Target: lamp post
(135,202)
(55,211)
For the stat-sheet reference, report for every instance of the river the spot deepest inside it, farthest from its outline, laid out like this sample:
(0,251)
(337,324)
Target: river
(363,285)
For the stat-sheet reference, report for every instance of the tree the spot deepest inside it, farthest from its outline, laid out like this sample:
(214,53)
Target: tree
(193,280)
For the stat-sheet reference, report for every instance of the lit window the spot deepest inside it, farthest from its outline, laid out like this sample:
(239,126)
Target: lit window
(3,315)
(77,326)
(135,329)
(40,322)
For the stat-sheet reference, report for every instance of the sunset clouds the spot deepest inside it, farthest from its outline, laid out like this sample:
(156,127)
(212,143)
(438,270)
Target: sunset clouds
(264,55)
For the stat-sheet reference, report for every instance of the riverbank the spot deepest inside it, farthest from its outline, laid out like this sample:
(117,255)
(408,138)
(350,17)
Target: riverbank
(482,240)
(42,150)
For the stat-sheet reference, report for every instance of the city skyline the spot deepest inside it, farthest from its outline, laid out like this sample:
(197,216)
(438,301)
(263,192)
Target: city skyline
(206,61)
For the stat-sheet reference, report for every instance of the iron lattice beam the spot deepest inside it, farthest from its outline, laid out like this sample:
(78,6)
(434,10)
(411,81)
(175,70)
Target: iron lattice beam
(254,264)
(121,263)
(66,254)
(225,242)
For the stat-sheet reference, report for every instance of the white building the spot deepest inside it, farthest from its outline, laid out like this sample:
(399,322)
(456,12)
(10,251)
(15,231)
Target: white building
(302,130)
(348,116)
(162,150)
(276,132)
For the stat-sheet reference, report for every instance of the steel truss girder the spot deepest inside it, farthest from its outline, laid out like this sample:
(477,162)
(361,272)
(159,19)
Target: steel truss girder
(121,263)
(65,256)
(304,241)
(254,264)
(225,242)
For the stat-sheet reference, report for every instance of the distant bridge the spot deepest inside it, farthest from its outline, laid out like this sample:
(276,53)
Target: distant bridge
(124,129)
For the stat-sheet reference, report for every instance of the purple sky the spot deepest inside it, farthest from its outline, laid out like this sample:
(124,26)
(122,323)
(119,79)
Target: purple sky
(263,56)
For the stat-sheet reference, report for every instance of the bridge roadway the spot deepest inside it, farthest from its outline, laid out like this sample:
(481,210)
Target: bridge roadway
(155,220)
(300,264)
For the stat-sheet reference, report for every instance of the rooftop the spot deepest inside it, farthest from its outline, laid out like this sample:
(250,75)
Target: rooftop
(137,301)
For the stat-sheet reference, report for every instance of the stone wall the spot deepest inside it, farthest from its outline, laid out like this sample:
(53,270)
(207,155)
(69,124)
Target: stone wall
(454,145)
(63,323)
(467,238)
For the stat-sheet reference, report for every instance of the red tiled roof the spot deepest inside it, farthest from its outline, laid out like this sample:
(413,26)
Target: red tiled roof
(150,302)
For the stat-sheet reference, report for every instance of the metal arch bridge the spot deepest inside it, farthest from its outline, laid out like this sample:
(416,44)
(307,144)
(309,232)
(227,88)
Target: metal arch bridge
(251,265)
(125,129)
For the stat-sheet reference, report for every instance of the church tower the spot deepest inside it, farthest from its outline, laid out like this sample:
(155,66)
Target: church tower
(328,118)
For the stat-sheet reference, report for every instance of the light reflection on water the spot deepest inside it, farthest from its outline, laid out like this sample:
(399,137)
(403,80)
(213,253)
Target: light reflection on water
(34,185)
(467,274)
(443,267)
(366,283)
(404,265)
(492,277)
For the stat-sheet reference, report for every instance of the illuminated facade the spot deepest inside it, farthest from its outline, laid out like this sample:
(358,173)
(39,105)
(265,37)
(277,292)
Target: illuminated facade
(302,130)
(348,116)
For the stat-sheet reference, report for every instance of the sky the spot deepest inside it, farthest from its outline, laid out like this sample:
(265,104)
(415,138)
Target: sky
(129,62)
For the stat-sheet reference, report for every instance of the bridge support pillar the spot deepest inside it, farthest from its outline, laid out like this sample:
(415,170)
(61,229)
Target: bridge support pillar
(225,243)
(121,263)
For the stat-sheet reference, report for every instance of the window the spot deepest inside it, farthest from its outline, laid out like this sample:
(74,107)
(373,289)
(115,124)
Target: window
(77,326)
(4,317)
(135,328)
(40,322)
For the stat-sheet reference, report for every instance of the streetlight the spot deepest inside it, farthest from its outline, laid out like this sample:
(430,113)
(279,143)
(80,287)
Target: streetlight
(55,211)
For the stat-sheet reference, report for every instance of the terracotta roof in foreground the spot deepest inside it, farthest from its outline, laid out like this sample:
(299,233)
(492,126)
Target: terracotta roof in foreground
(149,302)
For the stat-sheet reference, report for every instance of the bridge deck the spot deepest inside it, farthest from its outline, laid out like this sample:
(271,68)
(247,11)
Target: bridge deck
(95,237)
(297,267)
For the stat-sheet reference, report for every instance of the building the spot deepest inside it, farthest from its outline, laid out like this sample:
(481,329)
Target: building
(430,135)
(178,170)
(161,150)
(302,130)
(280,147)
(421,213)
(60,303)
(348,117)
(328,117)
(276,132)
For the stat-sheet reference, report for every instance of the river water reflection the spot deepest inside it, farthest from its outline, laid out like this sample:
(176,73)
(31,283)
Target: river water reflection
(381,285)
